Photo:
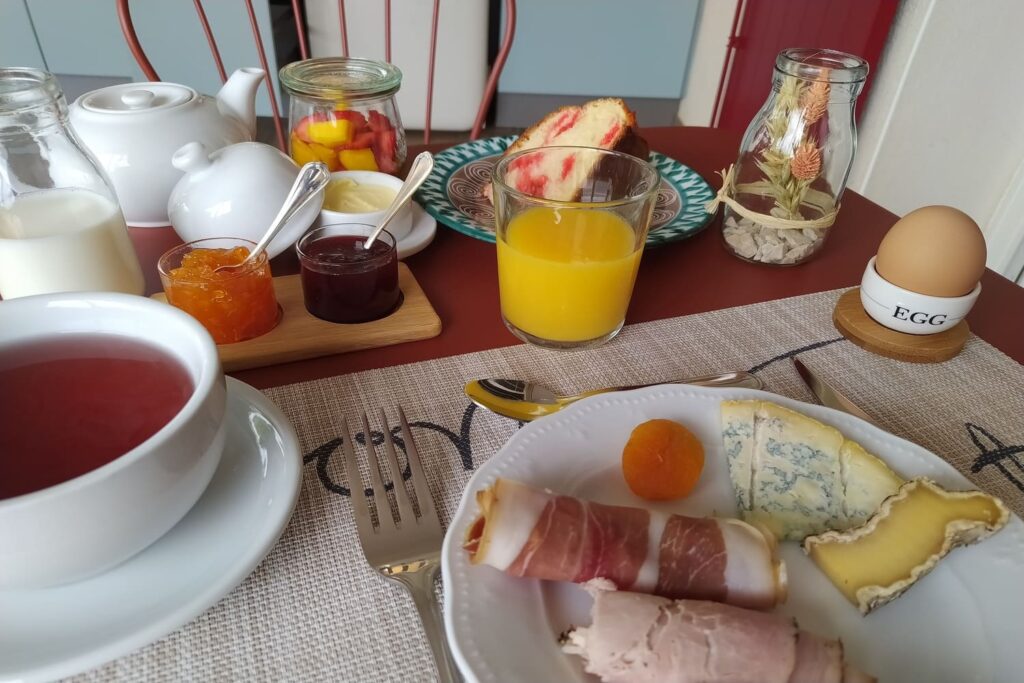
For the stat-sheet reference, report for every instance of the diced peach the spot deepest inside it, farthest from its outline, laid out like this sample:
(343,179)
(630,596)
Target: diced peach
(357,160)
(330,133)
(302,128)
(301,152)
(325,154)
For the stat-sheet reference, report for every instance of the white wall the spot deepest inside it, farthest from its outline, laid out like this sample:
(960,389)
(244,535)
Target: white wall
(707,57)
(945,121)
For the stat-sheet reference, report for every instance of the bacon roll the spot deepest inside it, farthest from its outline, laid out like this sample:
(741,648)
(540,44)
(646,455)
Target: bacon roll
(635,638)
(538,534)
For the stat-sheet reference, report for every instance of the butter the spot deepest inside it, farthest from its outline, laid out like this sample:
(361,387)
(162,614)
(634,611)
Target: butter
(875,563)
(347,196)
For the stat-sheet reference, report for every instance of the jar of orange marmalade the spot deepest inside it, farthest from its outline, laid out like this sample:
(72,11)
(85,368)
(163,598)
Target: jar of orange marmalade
(234,305)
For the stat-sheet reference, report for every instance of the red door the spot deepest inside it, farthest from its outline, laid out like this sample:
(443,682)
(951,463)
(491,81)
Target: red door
(763,28)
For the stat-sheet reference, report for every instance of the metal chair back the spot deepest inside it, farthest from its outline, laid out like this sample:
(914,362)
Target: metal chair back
(134,44)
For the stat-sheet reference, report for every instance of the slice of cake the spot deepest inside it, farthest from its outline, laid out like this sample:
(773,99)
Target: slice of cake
(562,175)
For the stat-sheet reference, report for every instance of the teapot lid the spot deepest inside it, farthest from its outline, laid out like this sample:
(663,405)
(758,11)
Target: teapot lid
(136,98)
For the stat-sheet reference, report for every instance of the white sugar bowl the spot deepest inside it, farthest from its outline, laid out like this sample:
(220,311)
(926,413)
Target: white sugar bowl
(906,311)
(236,191)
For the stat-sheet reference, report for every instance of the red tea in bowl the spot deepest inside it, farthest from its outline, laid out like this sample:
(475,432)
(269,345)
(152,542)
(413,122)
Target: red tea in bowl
(73,403)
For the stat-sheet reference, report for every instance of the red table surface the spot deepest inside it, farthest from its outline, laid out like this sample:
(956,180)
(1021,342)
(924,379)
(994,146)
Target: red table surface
(459,275)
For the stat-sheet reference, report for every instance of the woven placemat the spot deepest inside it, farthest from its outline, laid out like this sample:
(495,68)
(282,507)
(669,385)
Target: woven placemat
(315,611)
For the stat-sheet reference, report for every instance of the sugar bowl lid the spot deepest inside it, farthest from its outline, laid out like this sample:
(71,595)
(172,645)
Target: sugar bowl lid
(135,98)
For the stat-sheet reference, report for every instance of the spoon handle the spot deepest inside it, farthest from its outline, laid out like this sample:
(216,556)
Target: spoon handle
(311,179)
(726,379)
(422,166)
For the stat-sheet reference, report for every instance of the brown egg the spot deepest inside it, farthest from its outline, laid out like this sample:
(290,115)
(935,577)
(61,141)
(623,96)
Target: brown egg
(935,250)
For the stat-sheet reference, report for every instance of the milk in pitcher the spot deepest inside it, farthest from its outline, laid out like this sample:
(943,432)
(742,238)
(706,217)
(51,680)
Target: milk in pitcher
(64,240)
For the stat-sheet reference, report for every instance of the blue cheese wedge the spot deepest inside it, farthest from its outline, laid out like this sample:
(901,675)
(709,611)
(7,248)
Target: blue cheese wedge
(738,434)
(867,481)
(797,476)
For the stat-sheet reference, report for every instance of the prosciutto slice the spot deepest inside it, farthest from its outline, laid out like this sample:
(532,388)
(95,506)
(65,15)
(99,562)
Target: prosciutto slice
(635,638)
(528,532)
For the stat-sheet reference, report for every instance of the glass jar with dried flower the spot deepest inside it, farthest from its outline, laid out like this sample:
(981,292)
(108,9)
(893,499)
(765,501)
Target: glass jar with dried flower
(782,194)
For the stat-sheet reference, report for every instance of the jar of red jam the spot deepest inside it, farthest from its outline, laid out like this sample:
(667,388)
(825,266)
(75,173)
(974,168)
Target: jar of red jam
(342,281)
(232,305)
(343,113)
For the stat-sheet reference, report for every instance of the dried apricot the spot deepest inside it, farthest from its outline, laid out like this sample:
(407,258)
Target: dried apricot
(662,460)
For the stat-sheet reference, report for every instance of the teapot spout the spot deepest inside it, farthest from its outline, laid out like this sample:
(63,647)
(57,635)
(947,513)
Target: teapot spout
(237,98)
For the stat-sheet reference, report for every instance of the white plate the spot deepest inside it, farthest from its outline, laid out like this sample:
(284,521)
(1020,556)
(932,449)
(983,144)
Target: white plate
(961,623)
(46,634)
(424,227)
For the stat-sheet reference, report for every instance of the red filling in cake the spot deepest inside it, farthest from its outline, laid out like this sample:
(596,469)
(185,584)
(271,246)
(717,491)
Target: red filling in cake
(561,175)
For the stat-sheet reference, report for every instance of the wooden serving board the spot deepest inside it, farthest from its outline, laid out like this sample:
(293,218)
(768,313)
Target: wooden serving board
(300,335)
(854,323)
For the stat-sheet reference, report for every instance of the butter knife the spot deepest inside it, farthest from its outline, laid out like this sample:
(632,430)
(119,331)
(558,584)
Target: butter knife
(827,394)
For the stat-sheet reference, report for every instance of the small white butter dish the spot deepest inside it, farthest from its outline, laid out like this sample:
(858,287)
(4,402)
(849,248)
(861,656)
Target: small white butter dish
(906,311)
(400,227)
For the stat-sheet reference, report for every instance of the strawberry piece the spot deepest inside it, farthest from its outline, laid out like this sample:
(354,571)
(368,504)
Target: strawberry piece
(379,123)
(385,149)
(357,120)
(363,140)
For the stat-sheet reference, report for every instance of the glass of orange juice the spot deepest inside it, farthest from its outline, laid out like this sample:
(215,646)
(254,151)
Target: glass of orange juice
(571,224)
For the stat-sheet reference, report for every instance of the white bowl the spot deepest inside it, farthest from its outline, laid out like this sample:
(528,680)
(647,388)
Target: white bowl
(236,192)
(90,523)
(400,227)
(906,311)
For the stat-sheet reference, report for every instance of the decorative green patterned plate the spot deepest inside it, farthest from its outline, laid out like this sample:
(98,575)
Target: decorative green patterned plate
(453,193)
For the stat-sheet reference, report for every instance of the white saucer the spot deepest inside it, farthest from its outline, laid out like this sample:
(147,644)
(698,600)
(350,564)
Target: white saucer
(424,227)
(55,632)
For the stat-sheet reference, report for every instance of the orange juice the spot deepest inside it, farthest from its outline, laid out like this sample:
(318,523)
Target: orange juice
(566,275)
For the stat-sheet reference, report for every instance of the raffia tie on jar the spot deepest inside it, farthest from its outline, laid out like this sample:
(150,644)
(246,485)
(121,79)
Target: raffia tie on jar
(782,194)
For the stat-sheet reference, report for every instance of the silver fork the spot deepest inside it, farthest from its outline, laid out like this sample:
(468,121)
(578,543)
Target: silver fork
(408,553)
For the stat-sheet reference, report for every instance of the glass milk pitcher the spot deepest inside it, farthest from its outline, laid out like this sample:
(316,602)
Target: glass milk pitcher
(61,228)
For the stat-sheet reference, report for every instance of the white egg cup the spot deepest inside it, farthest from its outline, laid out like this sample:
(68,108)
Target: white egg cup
(909,312)
(400,227)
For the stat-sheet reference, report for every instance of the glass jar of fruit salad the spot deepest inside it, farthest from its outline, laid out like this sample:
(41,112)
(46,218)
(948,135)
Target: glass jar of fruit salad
(343,113)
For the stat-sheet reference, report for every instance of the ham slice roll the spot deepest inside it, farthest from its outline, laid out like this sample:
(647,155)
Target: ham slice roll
(532,533)
(635,638)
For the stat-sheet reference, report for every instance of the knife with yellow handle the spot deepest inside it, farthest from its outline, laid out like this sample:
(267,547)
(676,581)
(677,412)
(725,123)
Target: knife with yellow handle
(527,401)
(827,394)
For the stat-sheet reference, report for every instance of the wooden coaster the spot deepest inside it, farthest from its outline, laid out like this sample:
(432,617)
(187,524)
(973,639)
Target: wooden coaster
(855,324)
(299,335)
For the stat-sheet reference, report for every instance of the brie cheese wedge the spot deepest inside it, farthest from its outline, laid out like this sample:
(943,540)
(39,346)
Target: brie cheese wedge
(875,563)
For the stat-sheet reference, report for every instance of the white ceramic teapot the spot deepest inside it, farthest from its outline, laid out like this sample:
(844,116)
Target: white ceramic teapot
(134,130)
(236,191)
